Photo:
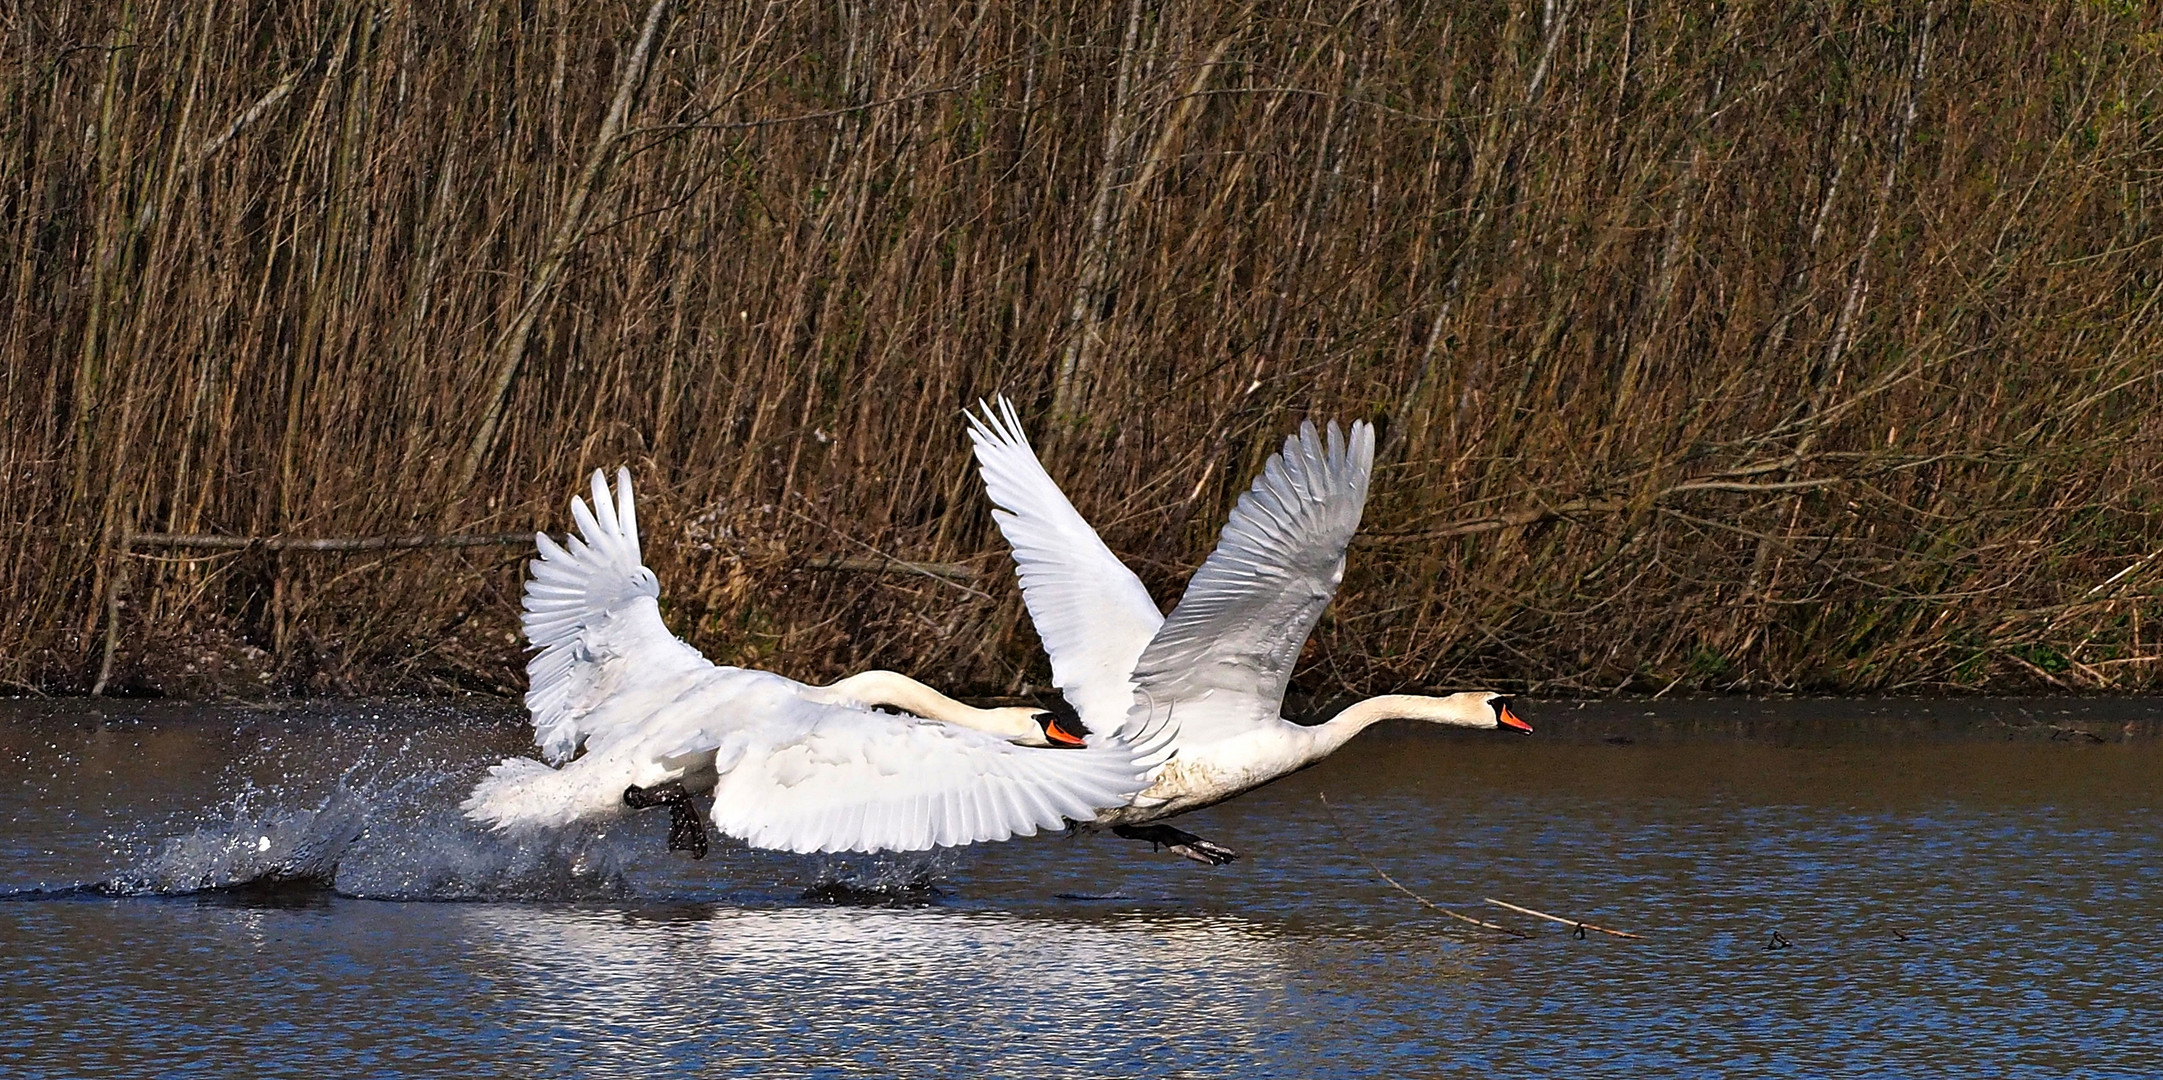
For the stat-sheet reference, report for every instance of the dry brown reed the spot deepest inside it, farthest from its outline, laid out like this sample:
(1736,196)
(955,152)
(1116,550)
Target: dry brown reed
(1759,347)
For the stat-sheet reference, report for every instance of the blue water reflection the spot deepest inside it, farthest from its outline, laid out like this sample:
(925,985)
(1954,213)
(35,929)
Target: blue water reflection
(1954,909)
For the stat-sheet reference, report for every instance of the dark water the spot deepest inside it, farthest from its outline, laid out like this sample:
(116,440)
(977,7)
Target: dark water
(1969,889)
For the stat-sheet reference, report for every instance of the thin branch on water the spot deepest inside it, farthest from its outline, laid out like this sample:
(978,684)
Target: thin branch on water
(1393,883)
(1579,924)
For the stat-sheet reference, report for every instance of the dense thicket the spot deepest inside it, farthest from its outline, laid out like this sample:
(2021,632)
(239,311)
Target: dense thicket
(1748,346)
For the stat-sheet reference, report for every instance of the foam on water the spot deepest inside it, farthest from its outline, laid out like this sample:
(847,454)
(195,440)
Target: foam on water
(275,846)
(378,819)
(380,824)
(366,846)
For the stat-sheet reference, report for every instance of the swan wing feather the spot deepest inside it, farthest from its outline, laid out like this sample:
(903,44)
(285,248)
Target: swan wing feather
(833,777)
(1091,612)
(593,617)
(1236,634)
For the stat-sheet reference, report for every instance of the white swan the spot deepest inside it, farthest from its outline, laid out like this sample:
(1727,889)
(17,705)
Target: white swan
(1220,663)
(790,766)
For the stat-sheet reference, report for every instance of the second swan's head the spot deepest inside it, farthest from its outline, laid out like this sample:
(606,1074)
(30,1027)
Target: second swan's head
(1478,709)
(1062,727)
(1503,716)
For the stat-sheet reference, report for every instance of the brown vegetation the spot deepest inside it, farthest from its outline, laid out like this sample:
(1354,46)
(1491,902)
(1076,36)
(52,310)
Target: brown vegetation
(1767,346)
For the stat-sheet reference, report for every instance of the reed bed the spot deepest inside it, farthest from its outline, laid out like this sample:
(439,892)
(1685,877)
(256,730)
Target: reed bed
(1768,347)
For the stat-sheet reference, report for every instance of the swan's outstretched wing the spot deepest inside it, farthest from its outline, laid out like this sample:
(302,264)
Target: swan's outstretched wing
(593,612)
(839,778)
(1092,613)
(1237,631)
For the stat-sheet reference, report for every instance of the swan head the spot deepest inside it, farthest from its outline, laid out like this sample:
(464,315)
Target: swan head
(1062,729)
(1498,710)
(1038,728)
(1472,709)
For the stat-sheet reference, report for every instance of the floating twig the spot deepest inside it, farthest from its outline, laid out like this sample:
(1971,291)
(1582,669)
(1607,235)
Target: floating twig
(1580,924)
(1393,883)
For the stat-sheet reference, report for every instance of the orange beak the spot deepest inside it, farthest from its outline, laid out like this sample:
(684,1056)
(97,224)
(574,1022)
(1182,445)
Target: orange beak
(1509,719)
(1060,736)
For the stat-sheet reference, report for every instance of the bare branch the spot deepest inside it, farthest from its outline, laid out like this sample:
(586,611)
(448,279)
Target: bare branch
(511,350)
(1578,923)
(335,543)
(1393,883)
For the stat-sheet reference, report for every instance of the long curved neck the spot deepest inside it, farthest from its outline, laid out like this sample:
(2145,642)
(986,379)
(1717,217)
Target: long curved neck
(897,691)
(1360,716)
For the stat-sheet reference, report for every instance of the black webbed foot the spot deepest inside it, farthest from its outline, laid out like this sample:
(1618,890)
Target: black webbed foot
(686,828)
(646,798)
(1178,842)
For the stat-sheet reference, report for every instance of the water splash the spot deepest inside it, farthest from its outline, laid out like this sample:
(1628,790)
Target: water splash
(382,826)
(442,856)
(325,801)
(280,846)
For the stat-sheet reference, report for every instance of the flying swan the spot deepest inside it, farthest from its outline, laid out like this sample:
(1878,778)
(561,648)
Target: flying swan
(1220,662)
(628,716)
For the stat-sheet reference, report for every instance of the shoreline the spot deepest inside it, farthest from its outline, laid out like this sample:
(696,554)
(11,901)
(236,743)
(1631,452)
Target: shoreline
(1639,721)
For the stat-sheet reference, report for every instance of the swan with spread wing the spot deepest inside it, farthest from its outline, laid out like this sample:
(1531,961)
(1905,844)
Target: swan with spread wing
(1220,662)
(628,716)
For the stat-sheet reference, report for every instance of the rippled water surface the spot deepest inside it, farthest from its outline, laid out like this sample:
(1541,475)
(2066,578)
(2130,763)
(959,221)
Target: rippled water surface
(1967,889)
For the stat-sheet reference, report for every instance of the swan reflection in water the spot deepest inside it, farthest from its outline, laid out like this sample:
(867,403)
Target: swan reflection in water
(856,988)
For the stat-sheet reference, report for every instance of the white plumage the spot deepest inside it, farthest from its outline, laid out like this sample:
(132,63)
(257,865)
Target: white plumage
(617,701)
(1092,613)
(1220,663)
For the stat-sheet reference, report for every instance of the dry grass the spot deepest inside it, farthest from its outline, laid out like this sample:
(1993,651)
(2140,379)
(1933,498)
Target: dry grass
(1777,347)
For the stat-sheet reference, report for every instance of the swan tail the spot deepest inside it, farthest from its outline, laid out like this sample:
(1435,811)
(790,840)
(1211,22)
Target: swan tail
(521,793)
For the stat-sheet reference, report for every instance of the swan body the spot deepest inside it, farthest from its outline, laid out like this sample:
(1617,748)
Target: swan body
(626,715)
(1208,773)
(1221,661)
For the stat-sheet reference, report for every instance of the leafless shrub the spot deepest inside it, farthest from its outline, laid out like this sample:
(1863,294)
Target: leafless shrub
(1769,347)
